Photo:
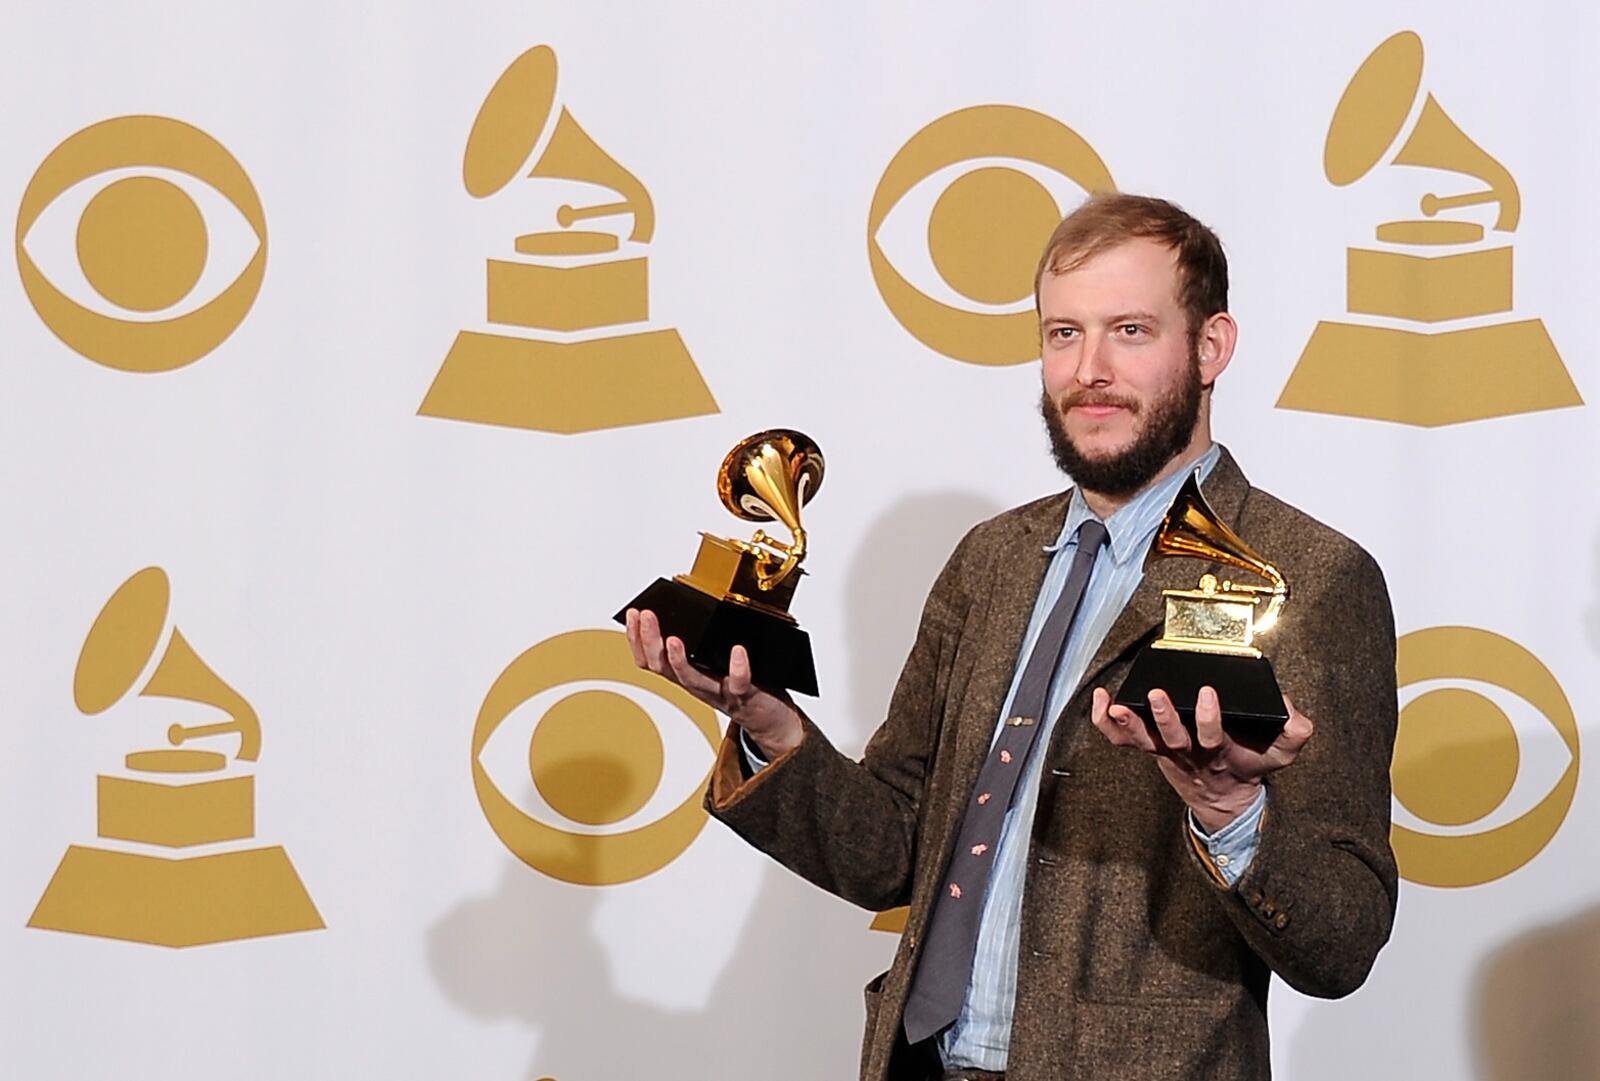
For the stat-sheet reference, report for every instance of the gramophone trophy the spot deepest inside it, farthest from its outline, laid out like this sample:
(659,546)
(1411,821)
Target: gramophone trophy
(738,592)
(1207,640)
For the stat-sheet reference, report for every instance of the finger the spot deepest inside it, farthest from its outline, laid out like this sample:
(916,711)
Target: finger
(738,672)
(1169,726)
(635,646)
(687,675)
(1100,717)
(1208,720)
(655,653)
(1131,730)
(1099,705)
(1297,729)
(1116,734)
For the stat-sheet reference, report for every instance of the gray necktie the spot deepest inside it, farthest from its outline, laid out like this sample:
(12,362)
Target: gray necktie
(940,984)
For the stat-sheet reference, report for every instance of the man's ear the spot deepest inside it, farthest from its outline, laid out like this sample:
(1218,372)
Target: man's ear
(1214,344)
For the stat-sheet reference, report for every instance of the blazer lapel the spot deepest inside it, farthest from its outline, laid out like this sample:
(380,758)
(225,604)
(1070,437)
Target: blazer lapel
(1019,562)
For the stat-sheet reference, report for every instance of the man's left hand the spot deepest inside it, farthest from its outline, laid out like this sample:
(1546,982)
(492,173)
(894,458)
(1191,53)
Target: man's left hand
(1217,776)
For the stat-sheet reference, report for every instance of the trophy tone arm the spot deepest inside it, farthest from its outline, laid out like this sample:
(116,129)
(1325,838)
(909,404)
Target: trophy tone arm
(766,578)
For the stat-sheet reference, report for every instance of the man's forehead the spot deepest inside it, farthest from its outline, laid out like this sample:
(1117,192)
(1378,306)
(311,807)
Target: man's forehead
(1141,273)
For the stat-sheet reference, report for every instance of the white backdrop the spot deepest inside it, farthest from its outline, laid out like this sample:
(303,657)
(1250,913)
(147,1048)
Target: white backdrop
(362,574)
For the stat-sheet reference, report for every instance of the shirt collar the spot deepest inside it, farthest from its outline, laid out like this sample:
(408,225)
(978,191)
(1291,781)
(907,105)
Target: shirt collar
(1135,523)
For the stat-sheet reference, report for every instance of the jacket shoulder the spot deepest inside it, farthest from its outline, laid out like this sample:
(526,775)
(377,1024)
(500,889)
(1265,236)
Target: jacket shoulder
(1285,534)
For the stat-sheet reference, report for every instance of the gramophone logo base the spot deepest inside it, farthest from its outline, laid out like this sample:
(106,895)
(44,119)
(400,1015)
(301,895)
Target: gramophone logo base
(1429,380)
(176,902)
(568,387)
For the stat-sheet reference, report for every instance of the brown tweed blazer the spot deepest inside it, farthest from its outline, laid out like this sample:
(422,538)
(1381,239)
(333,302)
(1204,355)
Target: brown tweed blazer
(1135,962)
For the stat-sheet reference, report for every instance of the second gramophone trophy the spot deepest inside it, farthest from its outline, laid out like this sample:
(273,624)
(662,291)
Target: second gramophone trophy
(1208,636)
(738,592)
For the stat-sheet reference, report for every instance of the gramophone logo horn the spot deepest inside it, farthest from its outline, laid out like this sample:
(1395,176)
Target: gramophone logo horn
(1456,355)
(168,799)
(568,348)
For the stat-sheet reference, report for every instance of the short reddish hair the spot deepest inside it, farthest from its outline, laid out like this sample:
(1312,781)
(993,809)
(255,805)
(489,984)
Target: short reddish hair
(1107,219)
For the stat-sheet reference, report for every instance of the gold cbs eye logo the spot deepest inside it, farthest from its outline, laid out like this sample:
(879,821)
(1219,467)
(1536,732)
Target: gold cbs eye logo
(985,231)
(1458,757)
(143,243)
(595,756)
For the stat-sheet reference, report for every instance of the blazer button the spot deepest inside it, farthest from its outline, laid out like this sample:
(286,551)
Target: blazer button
(1269,910)
(1282,921)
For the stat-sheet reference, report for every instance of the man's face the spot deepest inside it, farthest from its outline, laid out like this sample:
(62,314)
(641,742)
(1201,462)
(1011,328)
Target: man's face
(1122,378)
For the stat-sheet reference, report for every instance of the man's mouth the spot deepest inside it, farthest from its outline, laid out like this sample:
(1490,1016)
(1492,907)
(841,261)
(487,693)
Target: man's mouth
(1098,411)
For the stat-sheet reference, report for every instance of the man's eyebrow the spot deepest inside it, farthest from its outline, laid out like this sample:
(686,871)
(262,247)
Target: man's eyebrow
(1134,317)
(1057,320)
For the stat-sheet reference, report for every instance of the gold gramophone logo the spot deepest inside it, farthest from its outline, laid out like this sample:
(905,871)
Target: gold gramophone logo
(180,869)
(984,231)
(1482,794)
(141,282)
(597,757)
(567,348)
(1434,342)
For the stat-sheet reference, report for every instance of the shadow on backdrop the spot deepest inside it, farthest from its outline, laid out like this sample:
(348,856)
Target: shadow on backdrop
(531,953)
(1537,1004)
(896,563)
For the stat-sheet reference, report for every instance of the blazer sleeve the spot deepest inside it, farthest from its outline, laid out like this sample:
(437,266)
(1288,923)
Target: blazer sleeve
(852,827)
(1317,902)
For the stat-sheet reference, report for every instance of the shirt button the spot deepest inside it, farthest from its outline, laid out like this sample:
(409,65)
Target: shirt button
(1223,861)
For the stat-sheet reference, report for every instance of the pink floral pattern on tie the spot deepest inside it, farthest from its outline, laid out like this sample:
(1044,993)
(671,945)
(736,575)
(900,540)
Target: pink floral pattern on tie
(983,797)
(978,850)
(955,891)
(1005,756)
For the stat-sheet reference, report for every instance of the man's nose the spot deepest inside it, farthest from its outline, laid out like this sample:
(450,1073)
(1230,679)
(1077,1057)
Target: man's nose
(1094,368)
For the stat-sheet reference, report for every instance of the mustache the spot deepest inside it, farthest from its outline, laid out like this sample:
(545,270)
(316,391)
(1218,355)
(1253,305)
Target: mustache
(1096,397)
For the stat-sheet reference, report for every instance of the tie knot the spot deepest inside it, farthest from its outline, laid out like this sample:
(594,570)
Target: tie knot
(1091,535)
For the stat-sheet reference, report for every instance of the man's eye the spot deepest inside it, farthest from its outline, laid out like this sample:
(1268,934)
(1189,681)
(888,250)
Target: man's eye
(1063,333)
(1131,330)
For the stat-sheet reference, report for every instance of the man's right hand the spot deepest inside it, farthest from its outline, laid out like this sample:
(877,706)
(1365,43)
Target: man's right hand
(771,722)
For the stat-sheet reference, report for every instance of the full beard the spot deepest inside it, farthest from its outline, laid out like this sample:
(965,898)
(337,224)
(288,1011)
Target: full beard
(1167,425)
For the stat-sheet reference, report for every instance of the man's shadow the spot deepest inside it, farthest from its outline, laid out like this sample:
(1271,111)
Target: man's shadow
(1537,1004)
(786,1004)
(897,560)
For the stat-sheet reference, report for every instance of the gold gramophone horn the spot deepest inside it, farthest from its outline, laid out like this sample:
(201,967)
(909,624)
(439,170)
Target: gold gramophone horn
(770,476)
(1370,119)
(1192,528)
(121,643)
(509,126)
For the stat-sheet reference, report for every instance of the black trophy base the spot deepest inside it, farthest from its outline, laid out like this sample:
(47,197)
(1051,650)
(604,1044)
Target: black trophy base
(1252,705)
(780,652)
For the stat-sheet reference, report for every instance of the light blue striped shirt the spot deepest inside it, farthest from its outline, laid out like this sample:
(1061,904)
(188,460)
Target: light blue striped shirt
(981,1034)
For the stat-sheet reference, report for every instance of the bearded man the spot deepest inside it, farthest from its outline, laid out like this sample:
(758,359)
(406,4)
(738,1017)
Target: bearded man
(1092,896)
